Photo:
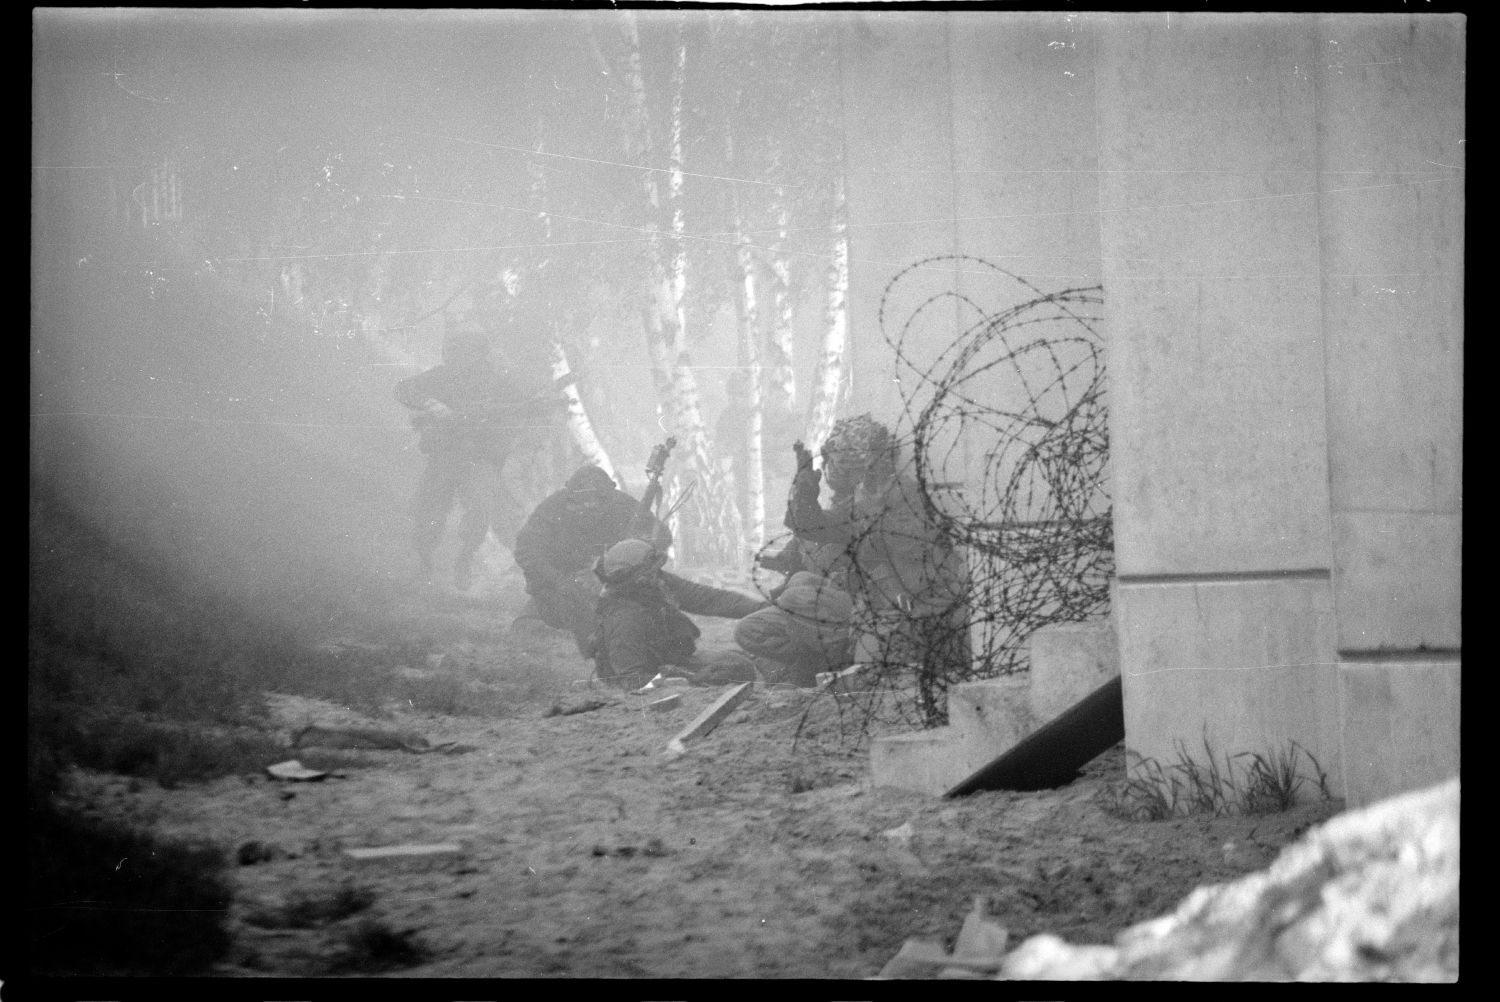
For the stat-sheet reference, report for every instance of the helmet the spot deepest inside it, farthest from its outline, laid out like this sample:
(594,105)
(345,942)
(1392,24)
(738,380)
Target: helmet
(627,559)
(590,478)
(466,344)
(856,447)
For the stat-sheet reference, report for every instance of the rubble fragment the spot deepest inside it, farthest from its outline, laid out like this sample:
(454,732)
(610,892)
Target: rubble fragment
(1372,895)
(709,718)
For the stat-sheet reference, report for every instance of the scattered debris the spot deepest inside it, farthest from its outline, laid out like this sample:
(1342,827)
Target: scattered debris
(253,852)
(370,738)
(653,847)
(981,935)
(671,702)
(294,771)
(437,849)
(662,682)
(709,718)
(1371,895)
(826,679)
(566,708)
(903,832)
(979,951)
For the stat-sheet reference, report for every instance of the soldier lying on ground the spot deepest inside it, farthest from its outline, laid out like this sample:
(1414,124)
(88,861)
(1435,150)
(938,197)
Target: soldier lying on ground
(560,541)
(643,626)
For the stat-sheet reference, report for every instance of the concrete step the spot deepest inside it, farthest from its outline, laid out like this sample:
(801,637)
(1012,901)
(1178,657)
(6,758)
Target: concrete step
(984,719)
(1069,661)
(921,761)
(990,716)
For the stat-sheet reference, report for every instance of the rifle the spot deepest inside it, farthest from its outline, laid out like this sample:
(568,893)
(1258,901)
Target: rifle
(645,515)
(476,425)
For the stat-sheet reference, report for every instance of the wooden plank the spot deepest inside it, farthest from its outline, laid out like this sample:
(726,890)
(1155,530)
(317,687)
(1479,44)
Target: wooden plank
(710,718)
(671,702)
(403,851)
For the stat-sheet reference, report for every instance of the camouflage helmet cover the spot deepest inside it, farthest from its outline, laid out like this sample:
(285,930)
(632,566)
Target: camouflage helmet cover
(859,441)
(627,559)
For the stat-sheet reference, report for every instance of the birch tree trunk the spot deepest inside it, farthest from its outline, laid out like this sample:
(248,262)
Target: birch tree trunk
(752,376)
(781,365)
(828,383)
(665,317)
(579,426)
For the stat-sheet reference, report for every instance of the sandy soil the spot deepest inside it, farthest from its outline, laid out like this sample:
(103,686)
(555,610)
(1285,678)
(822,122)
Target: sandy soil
(588,852)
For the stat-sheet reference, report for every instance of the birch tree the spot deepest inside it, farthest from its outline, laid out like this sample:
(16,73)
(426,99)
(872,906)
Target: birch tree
(580,428)
(781,368)
(828,382)
(751,375)
(664,315)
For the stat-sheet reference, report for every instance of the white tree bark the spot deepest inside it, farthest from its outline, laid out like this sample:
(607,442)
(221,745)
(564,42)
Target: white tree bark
(755,479)
(666,314)
(829,382)
(579,426)
(782,369)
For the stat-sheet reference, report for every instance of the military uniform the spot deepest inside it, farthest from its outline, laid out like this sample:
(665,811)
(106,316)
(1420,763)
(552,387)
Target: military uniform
(644,627)
(456,407)
(563,537)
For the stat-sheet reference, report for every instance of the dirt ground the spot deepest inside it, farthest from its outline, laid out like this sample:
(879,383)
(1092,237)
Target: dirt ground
(585,851)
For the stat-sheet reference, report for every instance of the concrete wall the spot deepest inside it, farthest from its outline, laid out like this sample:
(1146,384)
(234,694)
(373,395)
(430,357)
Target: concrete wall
(1391,143)
(1209,177)
(1281,205)
(1003,172)
(1275,205)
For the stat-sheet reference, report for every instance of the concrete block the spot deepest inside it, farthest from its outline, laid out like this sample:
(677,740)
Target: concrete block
(1069,661)
(989,717)
(671,702)
(1399,726)
(1217,440)
(1248,662)
(1398,579)
(922,761)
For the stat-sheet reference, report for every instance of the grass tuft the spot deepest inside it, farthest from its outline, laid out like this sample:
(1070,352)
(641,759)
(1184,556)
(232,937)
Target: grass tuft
(107,899)
(1273,782)
(308,909)
(373,946)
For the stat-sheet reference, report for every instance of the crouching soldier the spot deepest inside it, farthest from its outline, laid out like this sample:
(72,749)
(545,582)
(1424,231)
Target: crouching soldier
(806,631)
(644,627)
(562,539)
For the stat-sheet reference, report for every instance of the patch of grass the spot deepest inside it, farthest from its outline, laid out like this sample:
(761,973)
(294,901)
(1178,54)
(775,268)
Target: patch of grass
(1273,782)
(1206,788)
(309,909)
(372,946)
(1149,793)
(450,696)
(106,899)
(171,754)
(1275,778)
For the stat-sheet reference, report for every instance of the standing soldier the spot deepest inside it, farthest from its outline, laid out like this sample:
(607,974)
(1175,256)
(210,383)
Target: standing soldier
(457,410)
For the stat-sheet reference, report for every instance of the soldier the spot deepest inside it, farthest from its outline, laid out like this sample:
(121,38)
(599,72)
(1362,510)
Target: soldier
(458,412)
(882,577)
(643,626)
(560,541)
